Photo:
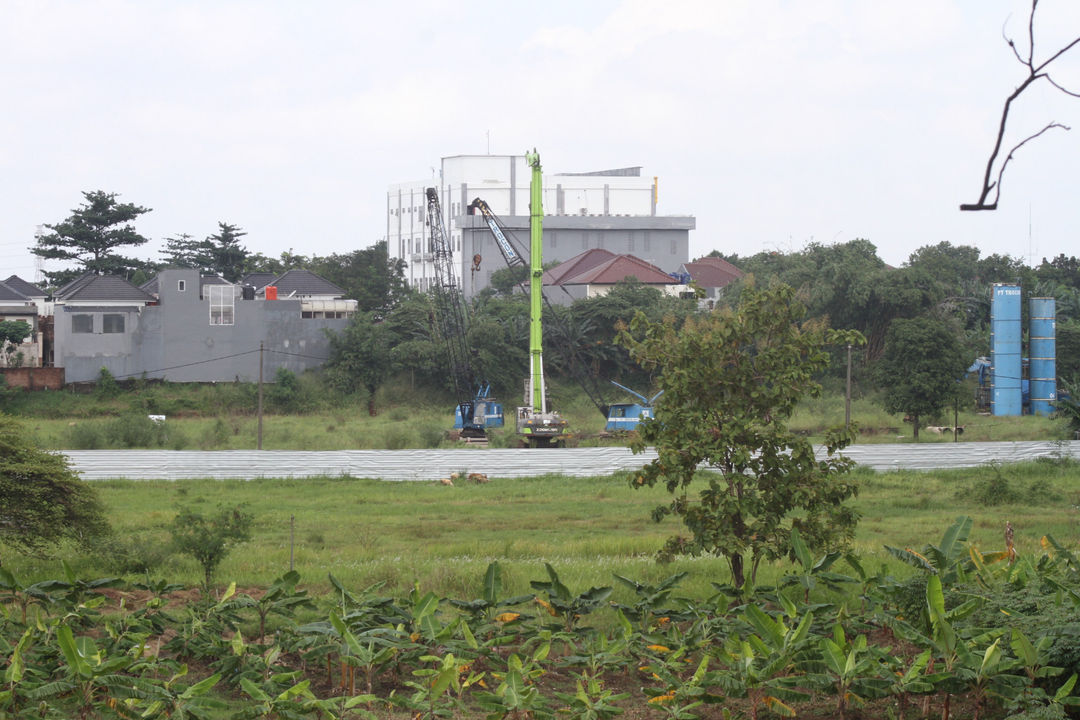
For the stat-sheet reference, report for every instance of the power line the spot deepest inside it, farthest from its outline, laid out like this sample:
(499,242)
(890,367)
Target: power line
(190,364)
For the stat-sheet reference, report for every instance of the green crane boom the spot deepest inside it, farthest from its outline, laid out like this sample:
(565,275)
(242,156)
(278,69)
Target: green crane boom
(538,426)
(536,288)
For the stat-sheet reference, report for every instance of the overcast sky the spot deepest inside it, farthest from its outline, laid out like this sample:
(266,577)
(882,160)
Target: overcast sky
(775,123)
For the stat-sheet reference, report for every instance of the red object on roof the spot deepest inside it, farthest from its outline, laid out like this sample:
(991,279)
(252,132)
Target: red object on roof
(712,272)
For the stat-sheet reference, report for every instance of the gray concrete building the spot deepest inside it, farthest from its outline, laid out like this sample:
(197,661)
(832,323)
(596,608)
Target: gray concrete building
(187,331)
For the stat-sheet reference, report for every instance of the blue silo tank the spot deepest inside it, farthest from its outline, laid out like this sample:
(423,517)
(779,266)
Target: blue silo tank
(1042,354)
(1005,335)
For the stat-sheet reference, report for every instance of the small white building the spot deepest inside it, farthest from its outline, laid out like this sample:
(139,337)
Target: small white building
(614,210)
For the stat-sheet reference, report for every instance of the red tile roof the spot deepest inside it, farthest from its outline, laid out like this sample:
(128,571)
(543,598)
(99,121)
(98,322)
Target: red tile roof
(618,268)
(576,265)
(712,272)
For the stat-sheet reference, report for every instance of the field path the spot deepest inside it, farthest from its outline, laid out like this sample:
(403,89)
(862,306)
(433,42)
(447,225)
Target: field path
(435,464)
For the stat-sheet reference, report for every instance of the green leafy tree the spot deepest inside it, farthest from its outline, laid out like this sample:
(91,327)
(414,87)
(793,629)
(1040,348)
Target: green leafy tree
(921,367)
(228,256)
(185,251)
(369,276)
(209,539)
(288,260)
(731,380)
(42,501)
(12,333)
(91,236)
(360,357)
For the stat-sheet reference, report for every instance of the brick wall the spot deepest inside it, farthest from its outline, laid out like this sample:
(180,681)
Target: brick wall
(31,378)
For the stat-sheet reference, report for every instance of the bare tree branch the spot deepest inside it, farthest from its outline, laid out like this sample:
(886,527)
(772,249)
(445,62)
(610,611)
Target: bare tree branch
(996,185)
(1034,73)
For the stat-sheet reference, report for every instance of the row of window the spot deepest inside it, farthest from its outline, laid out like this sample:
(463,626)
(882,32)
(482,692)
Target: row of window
(329,314)
(110,323)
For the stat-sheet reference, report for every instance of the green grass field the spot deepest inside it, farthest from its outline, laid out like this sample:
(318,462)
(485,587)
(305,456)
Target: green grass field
(365,531)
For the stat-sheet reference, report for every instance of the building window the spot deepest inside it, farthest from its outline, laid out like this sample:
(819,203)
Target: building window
(222,299)
(647,242)
(112,323)
(82,323)
(181,285)
(674,245)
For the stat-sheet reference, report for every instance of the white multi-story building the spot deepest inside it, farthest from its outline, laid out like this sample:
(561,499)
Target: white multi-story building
(610,209)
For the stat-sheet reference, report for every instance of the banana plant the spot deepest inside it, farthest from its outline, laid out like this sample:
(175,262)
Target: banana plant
(760,667)
(431,691)
(1033,658)
(912,680)
(484,609)
(651,601)
(170,700)
(810,572)
(371,650)
(591,700)
(986,674)
(26,596)
(517,696)
(947,559)
(281,598)
(362,610)
(297,699)
(597,654)
(92,677)
(851,670)
(679,696)
(561,603)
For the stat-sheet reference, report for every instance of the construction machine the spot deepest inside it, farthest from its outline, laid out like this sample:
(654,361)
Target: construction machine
(536,424)
(476,410)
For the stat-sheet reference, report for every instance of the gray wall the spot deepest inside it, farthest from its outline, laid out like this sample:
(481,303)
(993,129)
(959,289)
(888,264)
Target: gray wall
(663,241)
(175,340)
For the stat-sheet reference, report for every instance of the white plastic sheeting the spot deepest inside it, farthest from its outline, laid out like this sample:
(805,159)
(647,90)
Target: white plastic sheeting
(435,464)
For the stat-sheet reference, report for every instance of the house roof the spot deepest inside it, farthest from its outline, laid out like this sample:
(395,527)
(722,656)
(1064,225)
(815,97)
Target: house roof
(304,282)
(576,265)
(28,289)
(258,280)
(205,280)
(619,268)
(712,272)
(101,287)
(10,294)
(150,286)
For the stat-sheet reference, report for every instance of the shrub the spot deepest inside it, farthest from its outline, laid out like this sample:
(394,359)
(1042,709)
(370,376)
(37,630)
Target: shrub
(85,435)
(107,387)
(209,539)
(136,554)
(216,435)
(135,430)
(398,438)
(284,394)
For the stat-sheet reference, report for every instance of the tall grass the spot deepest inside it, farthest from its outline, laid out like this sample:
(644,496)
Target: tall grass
(366,531)
(222,416)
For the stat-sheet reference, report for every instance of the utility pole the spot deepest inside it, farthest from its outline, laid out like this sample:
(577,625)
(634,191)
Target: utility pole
(259,412)
(847,401)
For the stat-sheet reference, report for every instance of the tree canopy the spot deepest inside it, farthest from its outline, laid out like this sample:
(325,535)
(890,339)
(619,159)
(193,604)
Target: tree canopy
(731,380)
(42,502)
(91,238)
(921,367)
